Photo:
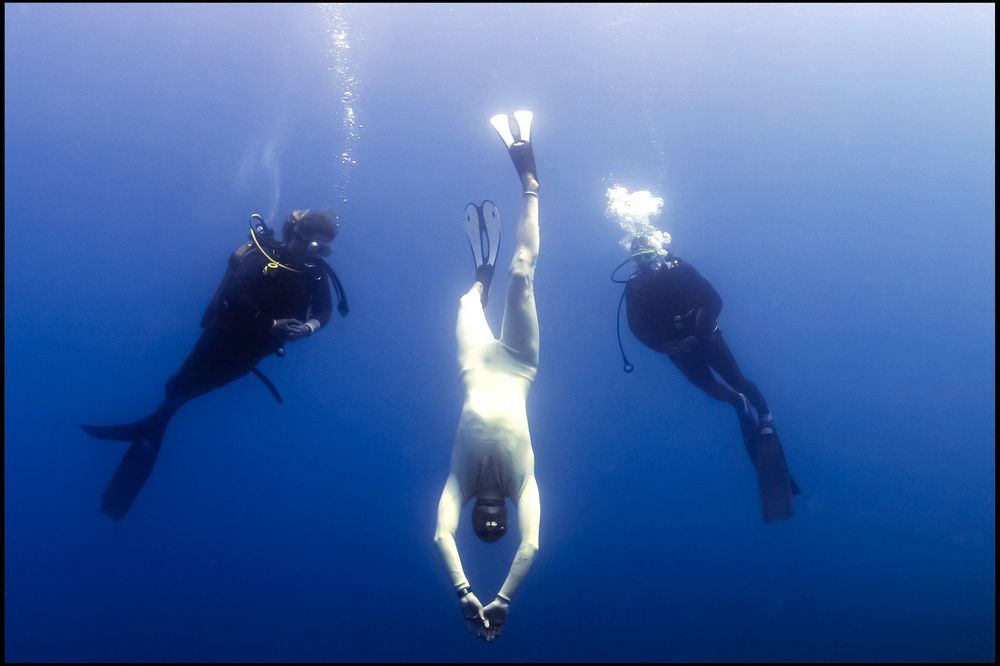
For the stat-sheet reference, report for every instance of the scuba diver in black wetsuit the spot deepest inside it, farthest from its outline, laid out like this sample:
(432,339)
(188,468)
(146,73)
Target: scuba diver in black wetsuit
(272,293)
(672,309)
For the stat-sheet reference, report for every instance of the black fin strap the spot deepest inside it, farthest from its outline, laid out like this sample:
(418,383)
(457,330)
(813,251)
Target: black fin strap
(618,326)
(342,306)
(270,386)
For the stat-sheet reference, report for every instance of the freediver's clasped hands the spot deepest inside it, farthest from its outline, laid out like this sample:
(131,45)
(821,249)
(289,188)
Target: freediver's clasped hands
(484,622)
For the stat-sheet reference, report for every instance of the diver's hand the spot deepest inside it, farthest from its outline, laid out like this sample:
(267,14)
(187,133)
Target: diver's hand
(496,615)
(290,329)
(472,611)
(705,325)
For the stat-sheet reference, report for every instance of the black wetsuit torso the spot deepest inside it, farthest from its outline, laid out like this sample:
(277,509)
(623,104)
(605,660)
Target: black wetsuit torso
(239,318)
(655,298)
(255,297)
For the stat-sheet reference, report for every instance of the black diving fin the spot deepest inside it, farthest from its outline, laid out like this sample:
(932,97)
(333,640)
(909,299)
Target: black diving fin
(133,471)
(515,132)
(482,228)
(773,478)
(129,478)
(776,484)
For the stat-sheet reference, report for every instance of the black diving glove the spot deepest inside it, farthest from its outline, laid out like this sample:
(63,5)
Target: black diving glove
(705,325)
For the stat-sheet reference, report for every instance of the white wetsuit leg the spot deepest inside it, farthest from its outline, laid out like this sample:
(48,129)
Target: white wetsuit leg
(519,331)
(473,331)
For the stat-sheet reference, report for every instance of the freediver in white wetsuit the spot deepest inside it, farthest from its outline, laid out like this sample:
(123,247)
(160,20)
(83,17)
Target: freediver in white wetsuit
(492,457)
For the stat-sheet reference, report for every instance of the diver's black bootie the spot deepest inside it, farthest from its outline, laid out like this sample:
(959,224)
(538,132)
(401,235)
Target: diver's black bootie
(523,158)
(484,274)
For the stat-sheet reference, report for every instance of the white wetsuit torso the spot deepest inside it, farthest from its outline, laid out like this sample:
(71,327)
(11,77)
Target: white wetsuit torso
(492,448)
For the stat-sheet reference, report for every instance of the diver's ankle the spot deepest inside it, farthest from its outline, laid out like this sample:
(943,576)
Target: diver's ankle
(484,275)
(767,424)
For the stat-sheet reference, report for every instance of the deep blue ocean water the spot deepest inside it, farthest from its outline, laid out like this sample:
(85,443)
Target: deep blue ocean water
(830,169)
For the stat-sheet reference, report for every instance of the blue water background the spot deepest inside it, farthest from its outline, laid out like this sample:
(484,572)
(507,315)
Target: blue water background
(830,169)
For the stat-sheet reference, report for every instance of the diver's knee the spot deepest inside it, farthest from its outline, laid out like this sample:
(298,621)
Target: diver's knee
(519,289)
(521,275)
(743,385)
(523,264)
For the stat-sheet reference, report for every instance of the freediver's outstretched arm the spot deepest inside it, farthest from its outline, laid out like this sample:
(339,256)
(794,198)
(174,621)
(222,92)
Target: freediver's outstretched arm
(529,514)
(449,510)
(529,511)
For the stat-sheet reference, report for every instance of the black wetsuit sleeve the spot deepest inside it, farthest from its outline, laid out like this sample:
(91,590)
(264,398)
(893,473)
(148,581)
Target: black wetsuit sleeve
(700,290)
(320,303)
